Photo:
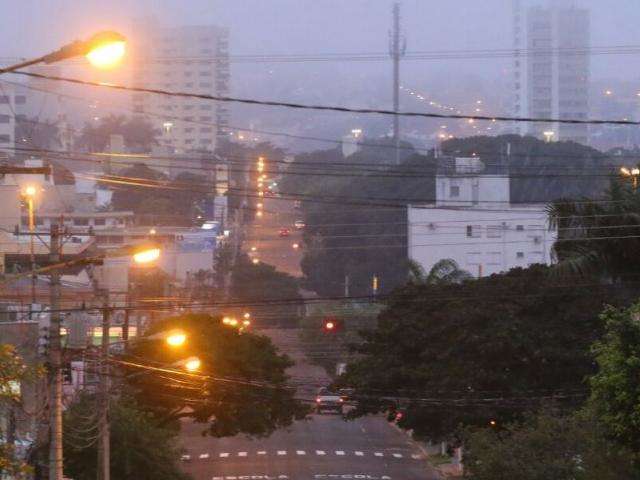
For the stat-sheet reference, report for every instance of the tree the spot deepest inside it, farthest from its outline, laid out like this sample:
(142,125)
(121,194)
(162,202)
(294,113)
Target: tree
(519,335)
(141,448)
(545,446)
(243,386)
(599,237)
(615,390)
(445,271)
(12,373)
(138,133)
(36,134)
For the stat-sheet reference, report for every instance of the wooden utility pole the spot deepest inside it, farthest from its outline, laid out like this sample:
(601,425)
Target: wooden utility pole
(104,432)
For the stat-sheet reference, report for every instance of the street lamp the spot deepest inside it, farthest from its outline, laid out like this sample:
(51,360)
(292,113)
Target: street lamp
(103,50)
(29,194)
(192,364)
(633,173)
(176,338)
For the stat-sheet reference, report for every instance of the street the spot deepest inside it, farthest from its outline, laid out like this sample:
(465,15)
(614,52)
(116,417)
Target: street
(270,247)
(322,447)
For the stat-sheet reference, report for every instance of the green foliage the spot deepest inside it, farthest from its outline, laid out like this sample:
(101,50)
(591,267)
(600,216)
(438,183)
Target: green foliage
(139,134)
(160,205)
(245,389)
(518,335)
(599,237)
(141,448)
(545,446)
(615,388)
(12,372)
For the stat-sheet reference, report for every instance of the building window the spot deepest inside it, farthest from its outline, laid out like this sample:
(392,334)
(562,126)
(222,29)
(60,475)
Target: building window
(454,191)
(20,99)
(519,228)
(5,118)
(205,107)
(205,119)
(205,74)
(188,85)
(205,85)
(189,140)
(188,130)
(4,99)
(188,74)
(473,231)
(206,130)
(99,221)
(5,138)
(519,254)
(80,222)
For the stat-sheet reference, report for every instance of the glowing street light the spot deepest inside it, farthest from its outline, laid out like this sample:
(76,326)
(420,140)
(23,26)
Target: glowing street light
(548,135)
(146,256)
(103,50)
(259,213)
(255,261)
(633,173)
(192,364)
(246,315)
(176,338)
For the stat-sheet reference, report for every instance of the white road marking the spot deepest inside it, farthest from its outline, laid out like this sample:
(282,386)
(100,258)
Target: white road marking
(262,452)
(282,452)
(379,454)
(416,456)
(242,454)
(301,452)
(359,454)
(397,455)
(320,452)
(339,452)
(185,457)
(203,455)
(224,455)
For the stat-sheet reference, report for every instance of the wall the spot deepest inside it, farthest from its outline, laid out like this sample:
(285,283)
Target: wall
(481,241)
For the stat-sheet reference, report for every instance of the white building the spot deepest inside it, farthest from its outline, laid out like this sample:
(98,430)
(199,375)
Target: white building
(473,222)
(192,59)
(552,68)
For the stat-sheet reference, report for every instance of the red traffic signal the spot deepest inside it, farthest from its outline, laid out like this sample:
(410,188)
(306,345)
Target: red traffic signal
(330,325)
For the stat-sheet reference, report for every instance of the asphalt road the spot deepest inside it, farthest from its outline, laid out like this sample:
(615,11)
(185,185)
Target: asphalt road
(270,247)
(321,447)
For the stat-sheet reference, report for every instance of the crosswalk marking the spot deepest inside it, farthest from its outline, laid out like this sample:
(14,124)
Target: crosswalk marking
(359,454)
(320,452)
(262,452)
(416,456)
(339,452)
(282,452)
(379,454)
(397,455)
(224,455)
(242,454)
(301,452)
(203,455)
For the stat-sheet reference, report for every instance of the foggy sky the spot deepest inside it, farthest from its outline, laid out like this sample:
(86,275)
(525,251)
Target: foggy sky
(320,26)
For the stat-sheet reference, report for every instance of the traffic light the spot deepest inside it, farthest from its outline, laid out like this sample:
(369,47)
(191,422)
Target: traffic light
(331,325)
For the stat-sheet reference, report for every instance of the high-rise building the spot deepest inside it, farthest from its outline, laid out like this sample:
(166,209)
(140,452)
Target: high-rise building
(193,59)
(552,69)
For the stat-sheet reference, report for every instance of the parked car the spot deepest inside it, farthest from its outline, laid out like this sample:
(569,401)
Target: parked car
(284,232)
(299,224)
(327,400)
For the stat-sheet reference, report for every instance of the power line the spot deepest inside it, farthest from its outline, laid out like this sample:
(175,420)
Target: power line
(333,108)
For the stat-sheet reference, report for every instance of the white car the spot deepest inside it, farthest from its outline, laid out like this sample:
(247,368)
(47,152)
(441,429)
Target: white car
(299,224)
(328,400)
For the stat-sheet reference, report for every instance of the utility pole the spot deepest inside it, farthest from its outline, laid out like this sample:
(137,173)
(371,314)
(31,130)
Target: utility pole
(55,361)
(396,50)
(104,452)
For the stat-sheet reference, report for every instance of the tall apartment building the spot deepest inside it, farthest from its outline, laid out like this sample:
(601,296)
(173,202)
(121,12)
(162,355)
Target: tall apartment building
(552,68)
(193,59)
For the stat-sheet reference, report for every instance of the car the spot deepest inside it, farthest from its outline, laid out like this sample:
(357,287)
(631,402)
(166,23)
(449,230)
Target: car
(284,232)
(297,204)
(299,224)
(328,400)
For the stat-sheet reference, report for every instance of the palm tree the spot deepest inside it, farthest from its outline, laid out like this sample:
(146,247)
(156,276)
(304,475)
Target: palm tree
(443,272)
(600,237)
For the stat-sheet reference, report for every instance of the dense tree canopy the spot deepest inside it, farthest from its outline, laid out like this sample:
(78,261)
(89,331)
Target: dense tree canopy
(523,334)
(242,387)
(141,448)
(355,209)
(139,134)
